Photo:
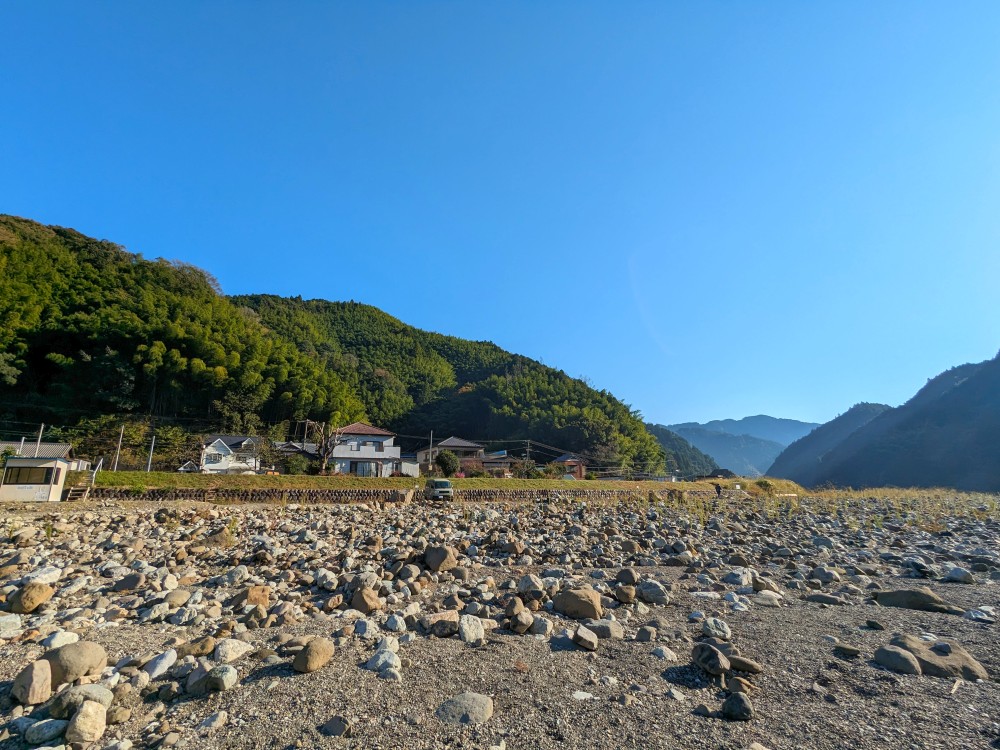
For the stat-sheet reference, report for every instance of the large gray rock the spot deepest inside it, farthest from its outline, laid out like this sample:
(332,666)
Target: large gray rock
(75,660)
(230,649)
(45,730)
(710,659)
(653,592)
(33,684)
(922,599)
(737,707)
(471,630)
(897,660)
(466,708)
(946,658)
(158,666)
(69,700)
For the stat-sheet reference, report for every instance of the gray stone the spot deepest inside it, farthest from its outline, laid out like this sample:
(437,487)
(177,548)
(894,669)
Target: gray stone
(653,592)
(737,707)
(230,649)
(338,726)
(75,660)
(585,638)
(471,630)
(466,708)
(215,721)
(221,678)
(897,660)
(45,730)
(606,629)
(69,700)
(9,624)
(159,665)
(960,575)
(713,627)
(710,659)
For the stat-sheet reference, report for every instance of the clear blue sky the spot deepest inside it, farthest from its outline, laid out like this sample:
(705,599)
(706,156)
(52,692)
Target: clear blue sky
(711,209)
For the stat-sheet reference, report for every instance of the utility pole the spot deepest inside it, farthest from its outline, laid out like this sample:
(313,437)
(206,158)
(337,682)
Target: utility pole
(38,444)
(430,453)
(527,450)
(118,450)
(149,463)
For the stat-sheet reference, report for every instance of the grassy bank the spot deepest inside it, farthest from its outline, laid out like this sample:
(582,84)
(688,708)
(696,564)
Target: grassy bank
(140,480)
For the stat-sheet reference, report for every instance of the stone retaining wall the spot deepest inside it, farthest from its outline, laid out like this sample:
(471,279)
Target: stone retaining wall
(387,495)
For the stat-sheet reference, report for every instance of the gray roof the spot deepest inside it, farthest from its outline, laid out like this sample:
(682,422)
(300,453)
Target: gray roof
(45,450)
(232,441)
(457,442)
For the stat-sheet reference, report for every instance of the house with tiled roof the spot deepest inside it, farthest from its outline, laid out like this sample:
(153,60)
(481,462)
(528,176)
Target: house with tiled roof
(367,451)
(466,451)
(229,454)
(573,465)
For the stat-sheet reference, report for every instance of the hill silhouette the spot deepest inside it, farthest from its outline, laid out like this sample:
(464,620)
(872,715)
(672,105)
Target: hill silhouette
(947,435)
(802,461)
(88,329)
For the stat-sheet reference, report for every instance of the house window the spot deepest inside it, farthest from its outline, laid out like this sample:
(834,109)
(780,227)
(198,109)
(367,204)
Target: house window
(27,475)
(213,458)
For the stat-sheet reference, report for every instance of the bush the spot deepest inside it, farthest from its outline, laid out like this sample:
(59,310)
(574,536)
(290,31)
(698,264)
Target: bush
(447,462)
(296,464)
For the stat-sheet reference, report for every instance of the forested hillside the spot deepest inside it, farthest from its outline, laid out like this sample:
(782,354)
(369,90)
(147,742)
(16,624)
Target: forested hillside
(947,435)
(802,461)
(89,330)
(414,381)
(682,458)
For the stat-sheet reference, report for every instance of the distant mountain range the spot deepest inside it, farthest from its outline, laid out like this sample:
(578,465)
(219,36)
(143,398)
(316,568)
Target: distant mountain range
(947,435)
(683,459)
(774,429)
(745,446)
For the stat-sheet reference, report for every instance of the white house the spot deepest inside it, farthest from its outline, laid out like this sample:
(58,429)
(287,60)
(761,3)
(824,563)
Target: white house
(366,451)
(229,454)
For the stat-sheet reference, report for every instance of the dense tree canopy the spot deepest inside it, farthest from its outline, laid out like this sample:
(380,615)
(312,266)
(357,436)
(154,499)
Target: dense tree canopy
(416,381)
(88,329)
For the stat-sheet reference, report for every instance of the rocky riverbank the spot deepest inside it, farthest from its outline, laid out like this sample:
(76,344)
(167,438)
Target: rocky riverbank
(543,625)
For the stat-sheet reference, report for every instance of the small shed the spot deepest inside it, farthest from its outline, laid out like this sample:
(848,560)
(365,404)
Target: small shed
(35,479)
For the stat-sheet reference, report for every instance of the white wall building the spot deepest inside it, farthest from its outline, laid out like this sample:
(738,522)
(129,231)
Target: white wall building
(34,479)
(229,454)
(366,451)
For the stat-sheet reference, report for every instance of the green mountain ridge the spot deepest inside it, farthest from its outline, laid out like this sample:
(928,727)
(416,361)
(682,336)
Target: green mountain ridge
(88,329)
